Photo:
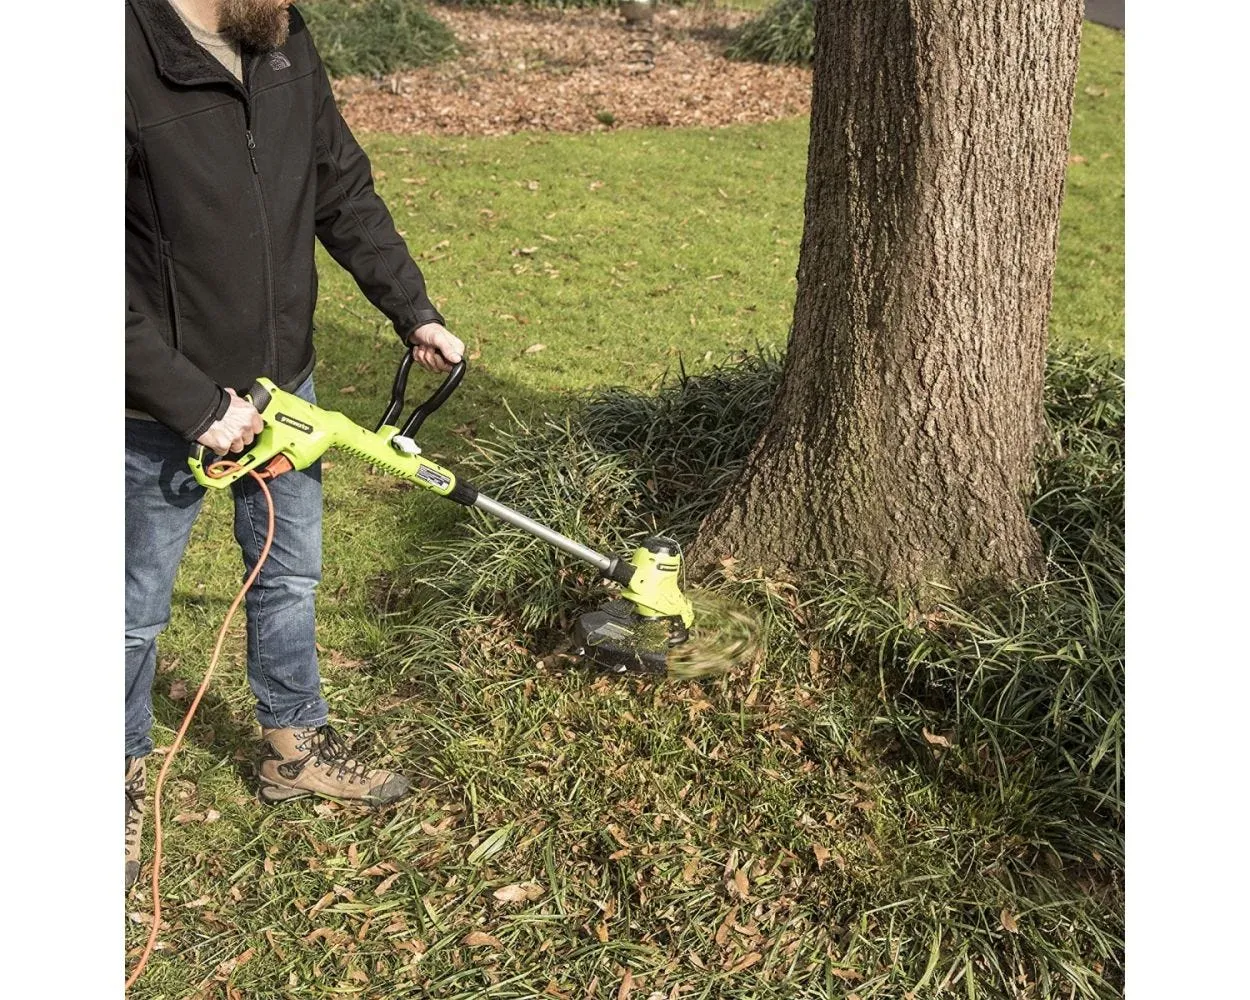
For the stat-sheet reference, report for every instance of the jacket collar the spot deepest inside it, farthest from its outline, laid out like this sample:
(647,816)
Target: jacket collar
(179,57)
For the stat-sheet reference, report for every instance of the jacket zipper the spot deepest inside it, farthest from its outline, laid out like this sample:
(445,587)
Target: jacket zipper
(272,368)
(171,288)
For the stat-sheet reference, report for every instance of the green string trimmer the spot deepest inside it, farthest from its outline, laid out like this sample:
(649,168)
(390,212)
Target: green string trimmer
(634,632)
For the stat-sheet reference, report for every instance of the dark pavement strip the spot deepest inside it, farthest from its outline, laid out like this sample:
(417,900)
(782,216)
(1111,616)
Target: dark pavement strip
(1108,12)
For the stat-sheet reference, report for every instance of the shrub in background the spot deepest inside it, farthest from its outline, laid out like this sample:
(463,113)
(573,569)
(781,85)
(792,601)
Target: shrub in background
(376,36)
(785,33)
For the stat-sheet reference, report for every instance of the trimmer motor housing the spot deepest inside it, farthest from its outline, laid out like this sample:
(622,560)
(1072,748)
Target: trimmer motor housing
(635,632)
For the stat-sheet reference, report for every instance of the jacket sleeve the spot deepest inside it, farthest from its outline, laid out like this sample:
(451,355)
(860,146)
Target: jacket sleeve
(353,223)
(161,381)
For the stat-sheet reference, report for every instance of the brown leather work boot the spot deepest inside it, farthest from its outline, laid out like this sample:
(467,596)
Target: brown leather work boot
(136,791)
(295,763)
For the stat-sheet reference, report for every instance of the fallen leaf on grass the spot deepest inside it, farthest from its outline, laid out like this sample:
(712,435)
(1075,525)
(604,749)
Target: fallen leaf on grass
(386,883)
(601,932)
(321,904)
(178,690)
(189,817)
(746,961)
(742,883)
(934,738)
(230,964)
(691,871)
(535,348)
(822,854)
(627,986)
(325,934)
(347,390)
(1008,921)
(480,939)
(519,893)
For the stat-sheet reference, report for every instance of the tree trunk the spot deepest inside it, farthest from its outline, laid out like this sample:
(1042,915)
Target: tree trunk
(902,436)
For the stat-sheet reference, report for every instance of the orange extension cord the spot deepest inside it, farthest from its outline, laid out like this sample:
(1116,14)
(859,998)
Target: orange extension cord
(217,469)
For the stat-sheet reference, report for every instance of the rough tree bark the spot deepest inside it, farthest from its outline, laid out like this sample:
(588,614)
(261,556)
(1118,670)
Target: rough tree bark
(902,436)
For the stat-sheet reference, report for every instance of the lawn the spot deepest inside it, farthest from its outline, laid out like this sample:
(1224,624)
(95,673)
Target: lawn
(619,253)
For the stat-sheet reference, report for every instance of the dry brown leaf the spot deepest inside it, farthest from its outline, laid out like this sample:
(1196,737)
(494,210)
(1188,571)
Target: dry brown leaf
(323,934)
(627,986)
(934,738)
(535,348)
(1008,921)
(480,939)
(347,390)
(746,961)
(386,883)
(822,854)
(321,904)
(178,690)
(691,871)
(742,883)
(601,932)
(519,892)
(847,975)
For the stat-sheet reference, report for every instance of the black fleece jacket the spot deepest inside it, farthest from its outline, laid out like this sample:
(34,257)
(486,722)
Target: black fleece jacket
(227,187)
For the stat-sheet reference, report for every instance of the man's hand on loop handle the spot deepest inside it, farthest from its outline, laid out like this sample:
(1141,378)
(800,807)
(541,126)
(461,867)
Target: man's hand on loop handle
(435,348)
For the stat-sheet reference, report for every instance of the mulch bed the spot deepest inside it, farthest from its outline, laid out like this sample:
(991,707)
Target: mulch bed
(576,71)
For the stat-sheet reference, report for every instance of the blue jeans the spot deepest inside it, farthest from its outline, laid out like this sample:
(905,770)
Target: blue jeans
(162,501)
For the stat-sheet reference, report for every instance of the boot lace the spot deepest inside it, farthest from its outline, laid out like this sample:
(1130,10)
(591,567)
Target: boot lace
(330,750)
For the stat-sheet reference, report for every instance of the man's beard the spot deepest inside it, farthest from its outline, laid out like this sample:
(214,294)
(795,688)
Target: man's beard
(255,24)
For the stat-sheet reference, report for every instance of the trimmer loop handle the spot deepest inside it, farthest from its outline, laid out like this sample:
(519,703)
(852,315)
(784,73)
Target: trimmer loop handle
(395,407)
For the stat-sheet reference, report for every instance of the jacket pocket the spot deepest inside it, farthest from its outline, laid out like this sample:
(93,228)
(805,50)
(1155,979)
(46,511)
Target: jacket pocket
(171,295)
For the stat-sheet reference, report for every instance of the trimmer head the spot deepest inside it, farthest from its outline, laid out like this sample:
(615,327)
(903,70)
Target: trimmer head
(635,632)
(618,640)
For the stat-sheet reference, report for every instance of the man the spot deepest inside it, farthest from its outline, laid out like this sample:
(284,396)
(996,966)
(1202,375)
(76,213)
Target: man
(236,161)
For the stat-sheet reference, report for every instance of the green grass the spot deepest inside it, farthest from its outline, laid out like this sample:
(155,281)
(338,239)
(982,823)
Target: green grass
(620,252)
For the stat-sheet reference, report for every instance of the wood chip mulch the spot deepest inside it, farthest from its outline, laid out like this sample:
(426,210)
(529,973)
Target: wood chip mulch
(576,71)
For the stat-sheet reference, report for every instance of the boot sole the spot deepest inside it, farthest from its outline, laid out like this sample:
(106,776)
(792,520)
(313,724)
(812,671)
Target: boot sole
(273,795)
